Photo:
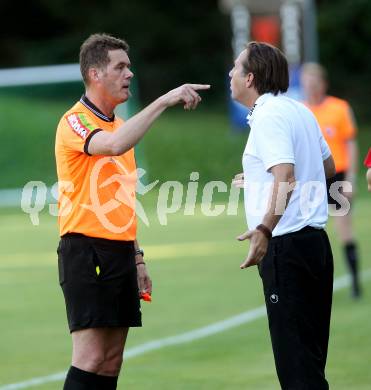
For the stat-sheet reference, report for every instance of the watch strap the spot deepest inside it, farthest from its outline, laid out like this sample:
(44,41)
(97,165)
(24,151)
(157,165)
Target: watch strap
(266,231)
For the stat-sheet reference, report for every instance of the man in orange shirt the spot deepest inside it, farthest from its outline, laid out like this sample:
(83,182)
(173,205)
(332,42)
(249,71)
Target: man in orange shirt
(101,267)
(336,120)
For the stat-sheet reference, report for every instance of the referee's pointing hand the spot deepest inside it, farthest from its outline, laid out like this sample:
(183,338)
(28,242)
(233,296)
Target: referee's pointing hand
(258,247)
(186,94)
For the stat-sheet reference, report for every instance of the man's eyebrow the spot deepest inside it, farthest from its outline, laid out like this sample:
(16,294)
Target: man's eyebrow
(124,63)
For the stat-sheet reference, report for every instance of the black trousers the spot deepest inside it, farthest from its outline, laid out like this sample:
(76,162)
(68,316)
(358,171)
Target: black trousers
(297,275)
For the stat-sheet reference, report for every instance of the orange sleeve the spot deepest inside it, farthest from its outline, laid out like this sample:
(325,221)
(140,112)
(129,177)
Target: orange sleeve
(348,123)
(77,131)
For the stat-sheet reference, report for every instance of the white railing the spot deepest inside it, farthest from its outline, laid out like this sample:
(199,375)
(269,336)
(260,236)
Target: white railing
(33,75)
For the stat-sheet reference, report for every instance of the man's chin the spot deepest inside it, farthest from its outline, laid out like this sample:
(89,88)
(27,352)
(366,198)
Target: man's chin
(124,97)
(127,94)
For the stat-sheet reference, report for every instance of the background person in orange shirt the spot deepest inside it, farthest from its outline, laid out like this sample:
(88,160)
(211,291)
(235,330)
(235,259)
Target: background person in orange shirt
(101,267)
(337,123)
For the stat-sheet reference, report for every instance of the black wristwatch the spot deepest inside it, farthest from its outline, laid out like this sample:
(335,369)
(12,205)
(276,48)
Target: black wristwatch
(139,252)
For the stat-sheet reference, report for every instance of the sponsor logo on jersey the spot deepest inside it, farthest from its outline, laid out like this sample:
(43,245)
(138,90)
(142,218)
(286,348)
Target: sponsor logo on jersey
(77,126)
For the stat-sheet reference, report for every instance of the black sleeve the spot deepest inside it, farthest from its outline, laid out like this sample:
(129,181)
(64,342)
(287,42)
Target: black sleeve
(87,141)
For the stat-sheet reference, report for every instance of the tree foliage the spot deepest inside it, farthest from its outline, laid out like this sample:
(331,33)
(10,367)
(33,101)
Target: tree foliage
(174,42)
(171,42)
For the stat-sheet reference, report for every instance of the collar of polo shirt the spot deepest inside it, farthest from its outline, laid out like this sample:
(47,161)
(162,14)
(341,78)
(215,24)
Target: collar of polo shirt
(259,102)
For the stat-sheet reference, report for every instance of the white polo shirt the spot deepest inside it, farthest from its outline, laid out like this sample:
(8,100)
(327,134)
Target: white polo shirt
(285,131)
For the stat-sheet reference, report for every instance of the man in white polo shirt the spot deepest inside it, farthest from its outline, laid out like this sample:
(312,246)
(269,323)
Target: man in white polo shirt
(285,163)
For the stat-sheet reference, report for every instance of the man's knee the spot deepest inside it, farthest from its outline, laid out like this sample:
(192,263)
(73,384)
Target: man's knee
(91,362)
(99,351)
(100,363)
(112,364)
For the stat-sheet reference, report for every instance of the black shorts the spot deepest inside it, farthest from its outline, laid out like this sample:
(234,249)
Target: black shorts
(340,176)
(297,275)
(99,282)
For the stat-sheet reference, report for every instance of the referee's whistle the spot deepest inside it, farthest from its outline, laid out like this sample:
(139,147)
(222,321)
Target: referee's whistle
(146,297)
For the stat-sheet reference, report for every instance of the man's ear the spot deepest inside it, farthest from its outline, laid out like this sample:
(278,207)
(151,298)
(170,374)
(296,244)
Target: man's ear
(249,78)
(93,74)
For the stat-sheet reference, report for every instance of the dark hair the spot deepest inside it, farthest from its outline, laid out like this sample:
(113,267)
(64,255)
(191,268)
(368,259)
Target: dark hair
(94,52)
(268,65)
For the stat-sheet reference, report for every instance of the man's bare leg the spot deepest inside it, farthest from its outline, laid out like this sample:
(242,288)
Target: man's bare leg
(96,358)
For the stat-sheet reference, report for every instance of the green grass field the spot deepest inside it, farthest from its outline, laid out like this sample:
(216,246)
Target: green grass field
(194,262)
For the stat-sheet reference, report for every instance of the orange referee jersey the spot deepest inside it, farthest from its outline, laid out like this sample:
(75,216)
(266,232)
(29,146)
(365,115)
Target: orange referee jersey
(335,118)
(96,193)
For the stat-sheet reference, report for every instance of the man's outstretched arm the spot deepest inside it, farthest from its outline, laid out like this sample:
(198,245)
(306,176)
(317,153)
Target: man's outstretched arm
(132,131)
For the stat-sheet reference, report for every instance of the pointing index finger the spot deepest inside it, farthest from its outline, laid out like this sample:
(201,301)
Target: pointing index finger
(197,87)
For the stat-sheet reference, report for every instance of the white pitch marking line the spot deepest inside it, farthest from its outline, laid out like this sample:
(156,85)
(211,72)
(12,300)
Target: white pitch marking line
(217,327)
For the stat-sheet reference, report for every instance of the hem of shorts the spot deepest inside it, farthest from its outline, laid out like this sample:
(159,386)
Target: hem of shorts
(105,325)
